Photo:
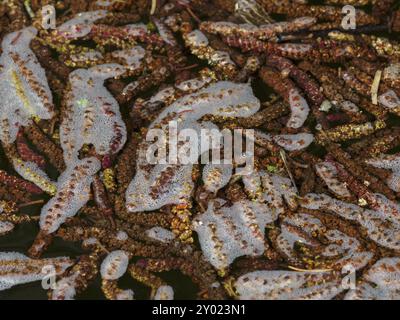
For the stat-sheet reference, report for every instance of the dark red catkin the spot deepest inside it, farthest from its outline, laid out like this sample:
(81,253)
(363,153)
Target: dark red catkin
(101,197)
(357,188)
(358,171)
(294,9)
(46,59)
(381,9)
(281,85)
(396,21)
(47,147)
(304,81)
(26,153)
(328,51)
(18,183)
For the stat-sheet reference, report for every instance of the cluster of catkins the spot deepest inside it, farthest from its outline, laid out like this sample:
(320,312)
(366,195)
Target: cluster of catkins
(316,194)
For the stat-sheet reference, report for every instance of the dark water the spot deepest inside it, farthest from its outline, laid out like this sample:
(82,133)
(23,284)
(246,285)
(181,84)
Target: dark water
(23,235)
(21,239)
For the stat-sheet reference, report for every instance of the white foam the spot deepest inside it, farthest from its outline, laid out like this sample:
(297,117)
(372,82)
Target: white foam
(216,176)
(382,225)
(93,115)
(30,171)
(131,57)
(16,268)
(81,24)
(122,236)
(197,38)
(114,265)
(229,232)
(5,227)
(299,109)
(294,142)
(287,285)
(302,228)
(73,191)
(349,106)
(385,277)
(20,102)
(328,173)
(125,295)
(193,84)
(160,234)
(135,30)
(65,288)
(391,162)
(165,34)
(389,100)
(164,293)
(223,99)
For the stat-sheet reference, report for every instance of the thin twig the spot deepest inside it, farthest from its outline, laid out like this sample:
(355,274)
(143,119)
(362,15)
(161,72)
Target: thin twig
(31,203)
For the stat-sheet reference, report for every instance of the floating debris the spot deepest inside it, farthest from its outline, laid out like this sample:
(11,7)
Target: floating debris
(255,156)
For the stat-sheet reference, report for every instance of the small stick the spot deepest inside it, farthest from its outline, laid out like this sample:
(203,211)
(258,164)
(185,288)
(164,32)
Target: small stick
(283,156)
(30,203)
(375,87)
(153,7)
(306,270)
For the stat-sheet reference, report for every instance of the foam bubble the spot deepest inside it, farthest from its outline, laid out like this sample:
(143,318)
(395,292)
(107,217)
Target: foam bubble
(294,142)
(23,85)
(81,24)
(65,288)
(160,234)
(73,191)
(164,184)
(30,171)
(164,293)
(328,173)
(93,115)
(216,176)
(389,100)
(287,285)
(382,224)
(131,57)
(16,268)
(114,265)
(299,109)
(385,277)
(5,227)
(125,295)
(122,236)
(226,233)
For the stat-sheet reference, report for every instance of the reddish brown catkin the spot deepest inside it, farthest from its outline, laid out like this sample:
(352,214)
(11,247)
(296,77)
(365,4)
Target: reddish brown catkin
(381,9)
(281,85)
(46,146)
(45,58)
(305,82)
(26,153)
(364,195)
(324,13)
(317,50)
(382,142)
(396,21)
(18,183)
(357,171)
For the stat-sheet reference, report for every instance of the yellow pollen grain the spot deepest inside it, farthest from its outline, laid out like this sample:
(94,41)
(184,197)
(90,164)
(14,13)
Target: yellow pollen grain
(20,91)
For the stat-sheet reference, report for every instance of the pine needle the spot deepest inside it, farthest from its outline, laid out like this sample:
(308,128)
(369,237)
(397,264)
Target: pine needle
(375,87)
(153,7)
